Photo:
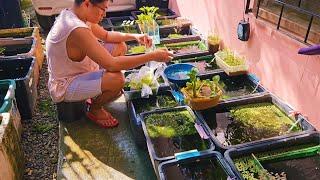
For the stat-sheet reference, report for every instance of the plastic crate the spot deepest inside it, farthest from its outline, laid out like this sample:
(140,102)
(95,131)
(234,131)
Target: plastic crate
(23,47)
(27,33)
(22,70)
(208,118)
(231,154)
(175,169)
(177,142)
(135,119)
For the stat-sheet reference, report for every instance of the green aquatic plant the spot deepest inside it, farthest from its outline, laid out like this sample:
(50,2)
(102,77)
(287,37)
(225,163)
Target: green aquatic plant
(170,124)
(250,166)
(230,58)
(263,118)
(175,36)
(213,39)
(137,49)
(161,101)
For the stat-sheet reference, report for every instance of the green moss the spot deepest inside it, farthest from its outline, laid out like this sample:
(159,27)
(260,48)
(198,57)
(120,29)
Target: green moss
(264,117)
(170,124)
(174,36)
(137,49)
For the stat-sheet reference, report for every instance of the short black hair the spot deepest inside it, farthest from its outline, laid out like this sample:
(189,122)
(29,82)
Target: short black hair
(78,2)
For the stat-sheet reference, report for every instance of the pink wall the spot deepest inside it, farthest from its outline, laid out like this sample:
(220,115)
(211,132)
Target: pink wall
(272,55)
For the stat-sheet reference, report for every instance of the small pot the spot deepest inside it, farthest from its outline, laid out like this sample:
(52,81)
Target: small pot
(213,48)
(201,103)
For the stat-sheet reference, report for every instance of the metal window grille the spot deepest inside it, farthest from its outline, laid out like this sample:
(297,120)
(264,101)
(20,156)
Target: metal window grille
(287,5)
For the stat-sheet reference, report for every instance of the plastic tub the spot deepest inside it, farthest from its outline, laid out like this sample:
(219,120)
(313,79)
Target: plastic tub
(178,73)
(134,110)
(302,140)
(205,165)
(22,71)
(228,132)
(162,148)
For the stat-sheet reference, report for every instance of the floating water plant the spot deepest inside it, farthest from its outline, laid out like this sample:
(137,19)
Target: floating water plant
(152,103)
(185,47)
(137,49)
(170,124)
(201,94)
(263,119)
(174,36)
(284,163)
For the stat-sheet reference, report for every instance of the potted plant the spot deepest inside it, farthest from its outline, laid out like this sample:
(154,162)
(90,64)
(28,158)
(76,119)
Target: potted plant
(231,63)
(201,94)
(213,43)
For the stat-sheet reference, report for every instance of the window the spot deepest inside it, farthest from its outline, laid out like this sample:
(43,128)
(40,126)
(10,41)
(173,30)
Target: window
(299,18)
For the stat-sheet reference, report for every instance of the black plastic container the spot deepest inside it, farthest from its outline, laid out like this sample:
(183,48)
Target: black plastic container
(237,87)
(10,14)
(183,28)
(134,115)
(164,12)
(18,46)
(195,167)
(218,124)
(168,147)
(202,50)
(106,24)
(136,94)
(305,139)
(183,38)
(71,111)
(22,71)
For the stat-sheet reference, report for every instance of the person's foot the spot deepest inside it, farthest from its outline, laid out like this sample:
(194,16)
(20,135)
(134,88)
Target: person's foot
(102,118)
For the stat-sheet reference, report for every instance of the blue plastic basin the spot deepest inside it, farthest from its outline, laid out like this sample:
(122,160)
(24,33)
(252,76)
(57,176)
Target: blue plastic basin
(178,73)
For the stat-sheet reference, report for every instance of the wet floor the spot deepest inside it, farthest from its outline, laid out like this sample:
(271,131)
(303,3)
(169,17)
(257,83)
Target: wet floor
(90,152)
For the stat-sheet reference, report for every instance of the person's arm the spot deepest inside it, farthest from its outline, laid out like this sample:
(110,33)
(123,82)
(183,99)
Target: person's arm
(95,51)
(117,37)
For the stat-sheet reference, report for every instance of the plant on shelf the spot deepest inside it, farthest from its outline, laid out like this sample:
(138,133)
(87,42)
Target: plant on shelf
(175,36)
(201,94)
(213,43)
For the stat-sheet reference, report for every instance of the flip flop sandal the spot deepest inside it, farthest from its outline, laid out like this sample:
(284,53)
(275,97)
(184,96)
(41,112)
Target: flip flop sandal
(104,123)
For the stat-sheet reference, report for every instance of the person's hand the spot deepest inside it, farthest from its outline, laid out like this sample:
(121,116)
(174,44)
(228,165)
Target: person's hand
(162,55)
(144,39)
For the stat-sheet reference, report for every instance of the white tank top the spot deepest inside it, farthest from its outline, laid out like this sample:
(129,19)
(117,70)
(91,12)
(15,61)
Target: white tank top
(63,70)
